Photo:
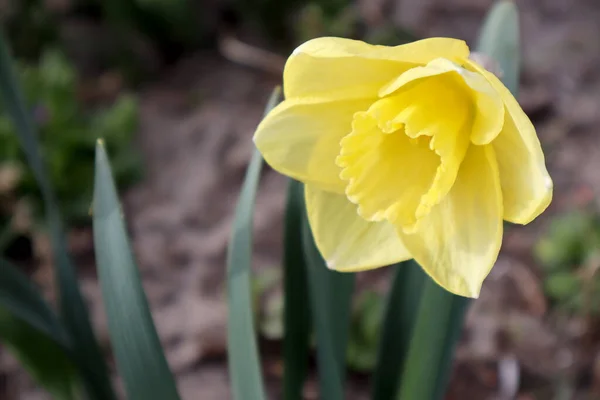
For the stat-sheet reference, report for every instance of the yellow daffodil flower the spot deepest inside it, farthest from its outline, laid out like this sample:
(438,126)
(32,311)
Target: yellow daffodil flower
(413,151)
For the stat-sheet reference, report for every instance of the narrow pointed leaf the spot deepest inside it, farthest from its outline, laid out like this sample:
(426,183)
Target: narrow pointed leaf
(437,328)
(33,334)
(296,342)
(499,39)
(20,298)
(137,349)
(47,361)
(73,312)
(341,289)
(244,364)
(400,317)
(458,309)
(331,303)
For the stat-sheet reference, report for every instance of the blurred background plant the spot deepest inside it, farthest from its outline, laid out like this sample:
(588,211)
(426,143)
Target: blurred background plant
(68,131)
(365,325)
(570,255)
(290,22)
(76,59)
(29,26)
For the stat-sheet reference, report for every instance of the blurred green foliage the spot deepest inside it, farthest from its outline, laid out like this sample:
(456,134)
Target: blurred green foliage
(168,27)
(570,255)
(317,19)
(267,303)
(171,18)
(365,331)
(290,22)
(133,36)
(137,37)
(272,17)
(29,26)
(366,319)
(68,132)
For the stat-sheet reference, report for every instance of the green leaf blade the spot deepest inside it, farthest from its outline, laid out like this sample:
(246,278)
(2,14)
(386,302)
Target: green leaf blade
(21,299)
(296,342)
(244,365)
(73,312)
(331,302)
(437,328)
(137,348)
(31,331)
(399,321)
(47,361)
(458,309)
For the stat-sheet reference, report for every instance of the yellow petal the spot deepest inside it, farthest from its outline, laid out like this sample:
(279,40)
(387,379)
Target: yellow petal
(487,104)
(526,184)
(347,242)
(332,67)
(301,139)
(458,242)
(489,115)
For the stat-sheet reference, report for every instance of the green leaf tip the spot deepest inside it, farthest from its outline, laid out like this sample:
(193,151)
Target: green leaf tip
(105,196)
(499,39)
(136,346)
(244,362)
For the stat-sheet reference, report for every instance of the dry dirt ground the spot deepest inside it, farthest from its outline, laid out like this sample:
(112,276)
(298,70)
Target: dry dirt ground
(195,137)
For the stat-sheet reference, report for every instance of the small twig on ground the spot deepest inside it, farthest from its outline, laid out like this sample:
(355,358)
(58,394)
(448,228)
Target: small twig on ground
(245,54)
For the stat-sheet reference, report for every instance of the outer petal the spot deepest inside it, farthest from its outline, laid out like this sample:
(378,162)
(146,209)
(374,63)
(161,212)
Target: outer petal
(458,242)
(301,139)
(347,242)
(526,184)
(343,68)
